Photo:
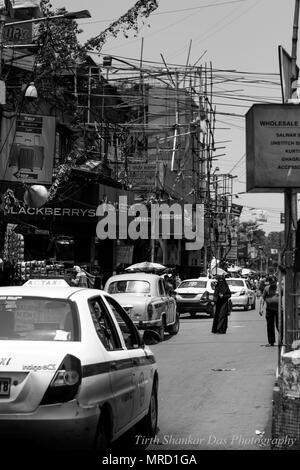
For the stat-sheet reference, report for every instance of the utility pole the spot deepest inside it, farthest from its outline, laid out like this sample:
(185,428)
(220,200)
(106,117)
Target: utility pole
(2,24)
(290,210)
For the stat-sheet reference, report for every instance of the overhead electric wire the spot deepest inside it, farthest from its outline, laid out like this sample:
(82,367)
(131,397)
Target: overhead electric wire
(174,11)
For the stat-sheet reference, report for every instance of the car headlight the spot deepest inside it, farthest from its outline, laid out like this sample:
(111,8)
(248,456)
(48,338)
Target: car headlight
(205,296)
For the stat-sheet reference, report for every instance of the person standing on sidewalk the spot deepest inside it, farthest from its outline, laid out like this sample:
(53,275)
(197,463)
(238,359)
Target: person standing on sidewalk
(222,296)
(270,299)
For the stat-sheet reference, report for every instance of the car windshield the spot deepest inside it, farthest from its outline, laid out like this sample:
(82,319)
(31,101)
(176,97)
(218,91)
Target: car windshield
(198,284)
(37,319)
(129,287)
(235,282)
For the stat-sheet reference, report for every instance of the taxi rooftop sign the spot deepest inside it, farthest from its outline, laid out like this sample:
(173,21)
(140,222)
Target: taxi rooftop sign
(46,283)
(273,147)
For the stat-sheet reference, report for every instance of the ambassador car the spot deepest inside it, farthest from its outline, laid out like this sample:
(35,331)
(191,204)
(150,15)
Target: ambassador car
(242,294)
(146,299)
(196,295)
(74,371)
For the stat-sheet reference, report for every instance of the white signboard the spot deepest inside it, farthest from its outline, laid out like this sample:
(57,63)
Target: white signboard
(273,147)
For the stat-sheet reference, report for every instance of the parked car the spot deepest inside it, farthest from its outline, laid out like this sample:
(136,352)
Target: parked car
(74,371)
(196,295)
(146,299)
(241,293)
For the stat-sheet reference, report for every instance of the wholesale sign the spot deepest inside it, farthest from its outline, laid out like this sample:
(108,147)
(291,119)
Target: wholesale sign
(273,147)
(27,148)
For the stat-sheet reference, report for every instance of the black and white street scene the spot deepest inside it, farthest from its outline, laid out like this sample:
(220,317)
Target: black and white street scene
(149,230)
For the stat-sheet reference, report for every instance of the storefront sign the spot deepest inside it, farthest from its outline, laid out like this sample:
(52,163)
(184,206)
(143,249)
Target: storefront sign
(273,147)
(18,34)
(142,176)
(68,212)
(21,3)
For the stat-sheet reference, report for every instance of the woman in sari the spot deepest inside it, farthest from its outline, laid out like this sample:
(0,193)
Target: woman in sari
(222,295)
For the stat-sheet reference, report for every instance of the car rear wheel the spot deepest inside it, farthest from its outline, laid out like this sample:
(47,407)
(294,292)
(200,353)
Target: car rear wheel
(173,329)
(148,425)
(161,329)
(102,440)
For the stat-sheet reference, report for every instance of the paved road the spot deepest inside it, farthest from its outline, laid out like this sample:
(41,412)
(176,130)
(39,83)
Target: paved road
(201,407)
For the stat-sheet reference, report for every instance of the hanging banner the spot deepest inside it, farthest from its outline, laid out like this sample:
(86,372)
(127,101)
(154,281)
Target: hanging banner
(27,144)
(236,209)
(124,254)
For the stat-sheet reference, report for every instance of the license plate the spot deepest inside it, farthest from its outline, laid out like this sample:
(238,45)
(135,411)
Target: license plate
(4,387)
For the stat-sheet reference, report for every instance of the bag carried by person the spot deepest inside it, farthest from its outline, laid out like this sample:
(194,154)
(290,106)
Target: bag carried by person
(272,298)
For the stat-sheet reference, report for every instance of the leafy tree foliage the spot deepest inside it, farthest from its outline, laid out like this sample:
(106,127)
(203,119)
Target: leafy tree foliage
(126,23)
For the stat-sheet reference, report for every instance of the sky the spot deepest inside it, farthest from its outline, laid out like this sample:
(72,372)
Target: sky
(232,35)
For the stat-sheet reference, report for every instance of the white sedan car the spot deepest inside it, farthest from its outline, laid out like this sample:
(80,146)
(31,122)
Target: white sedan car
(241,293)
(74,370)
(146,299)
(196,295)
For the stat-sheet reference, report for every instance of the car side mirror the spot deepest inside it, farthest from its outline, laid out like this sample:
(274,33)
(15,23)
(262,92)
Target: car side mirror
(151,337)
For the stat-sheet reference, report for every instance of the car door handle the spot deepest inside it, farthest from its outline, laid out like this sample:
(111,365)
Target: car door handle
(135,361)
(113,365)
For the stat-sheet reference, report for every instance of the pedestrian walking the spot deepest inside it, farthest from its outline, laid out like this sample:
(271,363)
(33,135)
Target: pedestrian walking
(98,279)
(177,280)
(270,299)
(222,296)
(80,279)
(169,286)
(262,284)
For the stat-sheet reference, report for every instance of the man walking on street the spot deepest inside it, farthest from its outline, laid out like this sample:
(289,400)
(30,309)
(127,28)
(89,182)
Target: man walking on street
(270,298)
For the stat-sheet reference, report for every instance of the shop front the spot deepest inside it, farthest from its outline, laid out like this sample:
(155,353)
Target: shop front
(64,232)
